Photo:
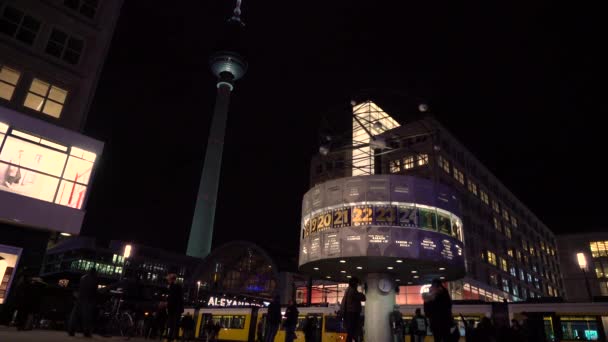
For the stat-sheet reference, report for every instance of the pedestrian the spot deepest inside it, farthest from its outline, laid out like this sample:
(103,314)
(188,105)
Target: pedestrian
(484,332)
(516,331)
(216,330)
(175,306)
(396,321)
(469,329)
(291,321)
(533,327)
(350,309)
(273,319)
(187,325)
(418,326)
(85,304)
(310,328)
(438,309)
(24,303)
(260,331)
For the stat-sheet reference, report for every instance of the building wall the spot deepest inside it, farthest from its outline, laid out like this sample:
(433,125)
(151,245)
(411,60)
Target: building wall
(63,46)
(597,265)
(51,56)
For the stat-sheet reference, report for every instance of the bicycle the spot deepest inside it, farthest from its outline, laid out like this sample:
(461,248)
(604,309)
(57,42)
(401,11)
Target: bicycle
(120,320)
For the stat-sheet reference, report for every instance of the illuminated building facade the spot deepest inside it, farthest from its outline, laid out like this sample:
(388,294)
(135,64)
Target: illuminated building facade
(509,253)
(51,54)
(589,269)
(71,258)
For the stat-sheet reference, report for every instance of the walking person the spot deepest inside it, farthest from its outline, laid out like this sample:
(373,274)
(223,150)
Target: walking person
(418,327)
(350,307)
(469,329)
(273,319)
(187,325)
(484,332)
(310,329)
(260,331)
(291,321)
(175,306)
(397,327)
(438,308)
(85,304)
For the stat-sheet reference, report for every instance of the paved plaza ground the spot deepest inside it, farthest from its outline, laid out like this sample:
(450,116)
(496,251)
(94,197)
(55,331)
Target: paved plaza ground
(11,335)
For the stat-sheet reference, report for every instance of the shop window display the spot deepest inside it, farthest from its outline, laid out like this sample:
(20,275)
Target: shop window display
(35,167)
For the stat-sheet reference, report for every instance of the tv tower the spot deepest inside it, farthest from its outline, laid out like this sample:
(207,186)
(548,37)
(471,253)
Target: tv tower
(228,65)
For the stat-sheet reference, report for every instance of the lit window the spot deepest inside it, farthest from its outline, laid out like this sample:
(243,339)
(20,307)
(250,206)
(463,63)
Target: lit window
(503,265)
(505,285)
(408,162)
(64,46)
(491,258)
(444,164)
(513,271)
(495,206)
(472,187)
(507,231)
(513,221)
(522,275)
(19,25)
(484,197)
(599,248)
(505,214)
(529,277)
(46,98)
(515,290)
(8,81)
(524,244)
(510,252)
(496,224)
(600,271)
(458,175)
(395,167)
(25,154)
(35,167)
(423,159)
(84,7)
(604,288)
(518,255)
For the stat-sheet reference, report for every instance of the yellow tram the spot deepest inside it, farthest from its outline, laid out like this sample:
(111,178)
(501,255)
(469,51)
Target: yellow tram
(562,321)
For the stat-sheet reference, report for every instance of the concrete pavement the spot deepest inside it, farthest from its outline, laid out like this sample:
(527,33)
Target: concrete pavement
(12,335)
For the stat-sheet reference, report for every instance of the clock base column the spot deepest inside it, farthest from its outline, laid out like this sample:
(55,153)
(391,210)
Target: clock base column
(378,306)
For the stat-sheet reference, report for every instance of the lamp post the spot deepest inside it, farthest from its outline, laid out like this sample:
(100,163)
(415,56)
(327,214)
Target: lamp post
(582,263)
(198,287)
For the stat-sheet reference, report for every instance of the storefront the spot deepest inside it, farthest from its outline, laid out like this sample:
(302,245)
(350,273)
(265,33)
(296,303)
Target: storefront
(9,259)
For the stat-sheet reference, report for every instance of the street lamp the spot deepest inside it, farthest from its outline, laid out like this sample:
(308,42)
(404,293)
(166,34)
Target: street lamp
(198,287)
(582,263)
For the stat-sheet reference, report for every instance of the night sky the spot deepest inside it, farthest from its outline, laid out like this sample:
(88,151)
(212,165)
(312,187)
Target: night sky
(515,83)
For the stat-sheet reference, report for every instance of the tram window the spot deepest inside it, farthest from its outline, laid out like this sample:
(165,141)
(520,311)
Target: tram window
(230,321)
(299,326)
(579,328)
(333,324)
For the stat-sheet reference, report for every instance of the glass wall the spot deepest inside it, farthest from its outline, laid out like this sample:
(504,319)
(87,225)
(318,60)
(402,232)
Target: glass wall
(579,328)
(35,167)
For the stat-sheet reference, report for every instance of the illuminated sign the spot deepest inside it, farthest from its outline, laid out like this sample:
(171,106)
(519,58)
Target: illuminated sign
(226,302)
(383,214)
